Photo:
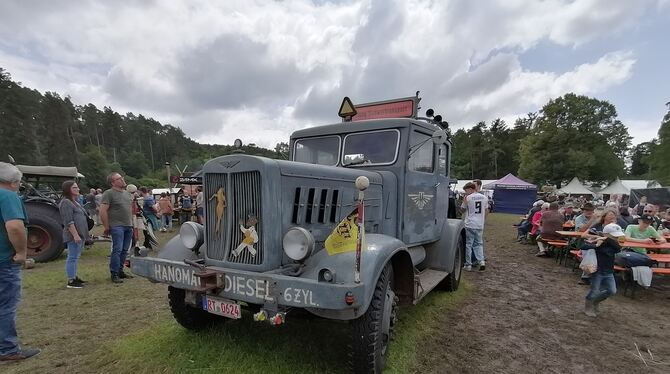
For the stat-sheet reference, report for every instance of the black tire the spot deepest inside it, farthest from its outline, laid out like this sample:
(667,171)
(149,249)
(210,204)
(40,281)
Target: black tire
(45,232)
(371,333)
(453,280)
(189,317)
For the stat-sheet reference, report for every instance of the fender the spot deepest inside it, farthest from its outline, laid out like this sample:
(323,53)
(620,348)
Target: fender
(175,250)
(440,254)
(379,250)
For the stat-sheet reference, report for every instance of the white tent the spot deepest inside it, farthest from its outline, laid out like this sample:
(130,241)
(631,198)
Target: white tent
(575,187)
(636,184)
(615,188)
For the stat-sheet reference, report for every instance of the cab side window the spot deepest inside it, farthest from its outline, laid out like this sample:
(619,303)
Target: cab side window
(421,159)
(443,160)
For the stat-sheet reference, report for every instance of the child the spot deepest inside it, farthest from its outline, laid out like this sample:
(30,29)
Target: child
(602,281)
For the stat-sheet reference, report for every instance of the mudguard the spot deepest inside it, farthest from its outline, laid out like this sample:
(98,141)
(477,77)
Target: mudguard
(174,250)
(440,254)
(380,249)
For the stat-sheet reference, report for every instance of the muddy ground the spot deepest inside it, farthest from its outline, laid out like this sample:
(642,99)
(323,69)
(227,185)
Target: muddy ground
(525,315)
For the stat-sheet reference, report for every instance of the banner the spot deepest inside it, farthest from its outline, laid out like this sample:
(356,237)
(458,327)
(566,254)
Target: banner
(344,236)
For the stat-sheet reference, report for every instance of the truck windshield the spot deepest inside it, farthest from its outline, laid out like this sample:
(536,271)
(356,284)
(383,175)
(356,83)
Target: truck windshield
(371,148)
(323,151)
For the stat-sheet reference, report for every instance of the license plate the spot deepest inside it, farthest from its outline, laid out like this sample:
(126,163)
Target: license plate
(221,307)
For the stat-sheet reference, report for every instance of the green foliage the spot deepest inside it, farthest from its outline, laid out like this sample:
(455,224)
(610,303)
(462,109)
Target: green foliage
(640,160)
(95,168)
(574,136)
(660,153)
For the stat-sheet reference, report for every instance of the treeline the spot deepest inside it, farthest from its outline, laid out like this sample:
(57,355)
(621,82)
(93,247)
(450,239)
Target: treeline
(571,136)
(47,129)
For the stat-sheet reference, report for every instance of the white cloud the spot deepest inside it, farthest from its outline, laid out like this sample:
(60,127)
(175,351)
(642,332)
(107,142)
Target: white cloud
(265,68)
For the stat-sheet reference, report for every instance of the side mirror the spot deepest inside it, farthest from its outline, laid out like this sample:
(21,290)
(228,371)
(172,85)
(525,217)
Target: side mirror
(439,136)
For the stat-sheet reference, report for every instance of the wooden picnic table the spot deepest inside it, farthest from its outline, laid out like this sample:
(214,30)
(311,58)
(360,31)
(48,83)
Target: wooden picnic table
(570,234)
(659,257)
(648,246)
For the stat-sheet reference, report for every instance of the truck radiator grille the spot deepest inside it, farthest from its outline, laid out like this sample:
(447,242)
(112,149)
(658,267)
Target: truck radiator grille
(315,205)
(243,199)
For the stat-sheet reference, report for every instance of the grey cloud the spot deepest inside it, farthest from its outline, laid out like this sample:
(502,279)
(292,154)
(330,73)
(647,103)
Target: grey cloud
(234,71)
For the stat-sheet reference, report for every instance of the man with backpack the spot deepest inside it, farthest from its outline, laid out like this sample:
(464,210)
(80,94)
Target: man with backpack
(186,203)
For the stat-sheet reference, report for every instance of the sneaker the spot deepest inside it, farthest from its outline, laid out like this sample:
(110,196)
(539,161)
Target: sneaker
(482,266)
(79,280)
(116,278)
(20,355)
(542,254)
(74,283)
(467,268)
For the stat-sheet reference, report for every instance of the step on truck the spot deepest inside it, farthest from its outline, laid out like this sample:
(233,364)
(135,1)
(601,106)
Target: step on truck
(353,225)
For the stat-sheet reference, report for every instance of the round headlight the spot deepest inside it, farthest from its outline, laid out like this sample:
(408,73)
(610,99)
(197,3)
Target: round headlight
(191,235)
(298,243)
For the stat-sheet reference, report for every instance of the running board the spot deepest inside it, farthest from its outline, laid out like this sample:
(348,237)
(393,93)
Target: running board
(425,281)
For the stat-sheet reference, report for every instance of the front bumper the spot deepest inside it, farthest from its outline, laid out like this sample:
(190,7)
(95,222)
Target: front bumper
(270,290)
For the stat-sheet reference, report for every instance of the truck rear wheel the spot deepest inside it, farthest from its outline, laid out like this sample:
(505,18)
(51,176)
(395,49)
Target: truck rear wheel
(371,333)
(45,233)
(453,280)
(188,316)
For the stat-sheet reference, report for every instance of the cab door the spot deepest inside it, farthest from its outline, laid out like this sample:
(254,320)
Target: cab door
(421,190)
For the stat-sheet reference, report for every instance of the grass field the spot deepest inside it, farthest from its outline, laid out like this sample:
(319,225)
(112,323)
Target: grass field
(128,328)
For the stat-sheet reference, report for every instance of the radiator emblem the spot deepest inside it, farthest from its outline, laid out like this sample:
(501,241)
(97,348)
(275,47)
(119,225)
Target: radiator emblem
(220,197)
(420,199)
(250,237)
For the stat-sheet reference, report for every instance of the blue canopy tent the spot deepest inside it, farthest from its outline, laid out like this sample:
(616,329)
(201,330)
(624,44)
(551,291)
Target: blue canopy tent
(512,195)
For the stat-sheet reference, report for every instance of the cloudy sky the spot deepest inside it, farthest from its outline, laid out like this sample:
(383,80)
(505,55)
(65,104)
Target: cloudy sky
(258,70)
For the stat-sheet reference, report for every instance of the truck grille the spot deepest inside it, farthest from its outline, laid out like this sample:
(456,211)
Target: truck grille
(243,199)
(315,205)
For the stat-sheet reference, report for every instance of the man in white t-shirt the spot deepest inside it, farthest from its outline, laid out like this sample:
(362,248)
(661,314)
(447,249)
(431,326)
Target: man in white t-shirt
(475,206)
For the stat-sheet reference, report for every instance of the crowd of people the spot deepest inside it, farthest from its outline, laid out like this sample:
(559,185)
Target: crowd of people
(604,227)
(123,210)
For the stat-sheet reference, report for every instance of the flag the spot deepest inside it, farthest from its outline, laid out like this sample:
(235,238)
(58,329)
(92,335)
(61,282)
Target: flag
(344,236)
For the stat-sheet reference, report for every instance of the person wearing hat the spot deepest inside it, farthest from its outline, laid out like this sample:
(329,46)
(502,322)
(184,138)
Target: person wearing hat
(586,219)
(643,232)
(603,284)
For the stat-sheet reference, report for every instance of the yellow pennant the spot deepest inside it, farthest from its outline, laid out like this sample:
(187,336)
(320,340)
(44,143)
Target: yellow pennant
(343,238)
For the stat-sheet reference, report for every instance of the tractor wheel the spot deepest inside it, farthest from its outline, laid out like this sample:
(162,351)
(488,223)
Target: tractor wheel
(453,280)
(188,316)
(45,232)
(371,333)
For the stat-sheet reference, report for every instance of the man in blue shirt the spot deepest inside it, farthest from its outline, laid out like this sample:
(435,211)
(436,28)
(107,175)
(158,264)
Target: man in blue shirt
(13,250)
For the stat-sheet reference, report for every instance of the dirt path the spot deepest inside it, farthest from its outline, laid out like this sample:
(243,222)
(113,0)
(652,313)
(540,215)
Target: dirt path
(525,316)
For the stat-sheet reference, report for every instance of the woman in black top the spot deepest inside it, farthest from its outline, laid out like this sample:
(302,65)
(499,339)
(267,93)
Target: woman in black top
(75,231)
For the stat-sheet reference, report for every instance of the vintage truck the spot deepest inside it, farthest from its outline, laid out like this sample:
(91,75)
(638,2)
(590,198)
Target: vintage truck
(282,235)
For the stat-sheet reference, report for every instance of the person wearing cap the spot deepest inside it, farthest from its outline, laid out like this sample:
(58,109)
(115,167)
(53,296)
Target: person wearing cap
(603,284)
(586,219)
(476,206)
(643,232)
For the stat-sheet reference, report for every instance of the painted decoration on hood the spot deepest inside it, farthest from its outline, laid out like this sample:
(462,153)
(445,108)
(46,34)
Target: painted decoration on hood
(220,197)
(420,199)
(250,237)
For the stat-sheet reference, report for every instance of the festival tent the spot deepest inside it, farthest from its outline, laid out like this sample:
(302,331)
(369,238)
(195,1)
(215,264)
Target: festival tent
(575,187)
(512,195)
(615,188)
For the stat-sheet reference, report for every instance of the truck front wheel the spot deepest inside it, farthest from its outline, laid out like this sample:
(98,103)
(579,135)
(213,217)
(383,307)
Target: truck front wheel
(188,316)
(371,333)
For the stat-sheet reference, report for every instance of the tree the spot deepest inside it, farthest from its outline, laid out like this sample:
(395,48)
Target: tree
(95,168)
(659,158)
(282,150)
(640,160)
(574,136)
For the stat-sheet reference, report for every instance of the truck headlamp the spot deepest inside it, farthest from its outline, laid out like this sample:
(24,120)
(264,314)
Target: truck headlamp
(192,235)
(298,243)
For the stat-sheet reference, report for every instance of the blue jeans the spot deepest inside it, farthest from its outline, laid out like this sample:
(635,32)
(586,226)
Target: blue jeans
(602,287)
(474,244)
(122,236)
(73,254)
(10,294)
(167,221)
(153,221)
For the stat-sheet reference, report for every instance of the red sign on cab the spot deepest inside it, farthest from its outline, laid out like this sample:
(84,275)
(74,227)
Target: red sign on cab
(396,109)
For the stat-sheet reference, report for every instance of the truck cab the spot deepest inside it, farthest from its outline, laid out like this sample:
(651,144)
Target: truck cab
(351,226)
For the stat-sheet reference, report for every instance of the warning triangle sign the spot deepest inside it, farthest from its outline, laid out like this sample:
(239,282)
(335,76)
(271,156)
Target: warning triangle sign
(347,109)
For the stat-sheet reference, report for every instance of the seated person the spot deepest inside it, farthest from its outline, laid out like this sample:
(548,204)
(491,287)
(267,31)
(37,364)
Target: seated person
(551,222)
(624,218)
(643,232)
(568,212)
(586,219)
(537,217)
(525,226)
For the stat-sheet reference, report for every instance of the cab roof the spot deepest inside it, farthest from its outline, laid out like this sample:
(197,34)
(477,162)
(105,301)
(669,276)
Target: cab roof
(367,125)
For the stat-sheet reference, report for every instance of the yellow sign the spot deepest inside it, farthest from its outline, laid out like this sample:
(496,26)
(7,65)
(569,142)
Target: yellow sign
(347,109)
(344,236)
